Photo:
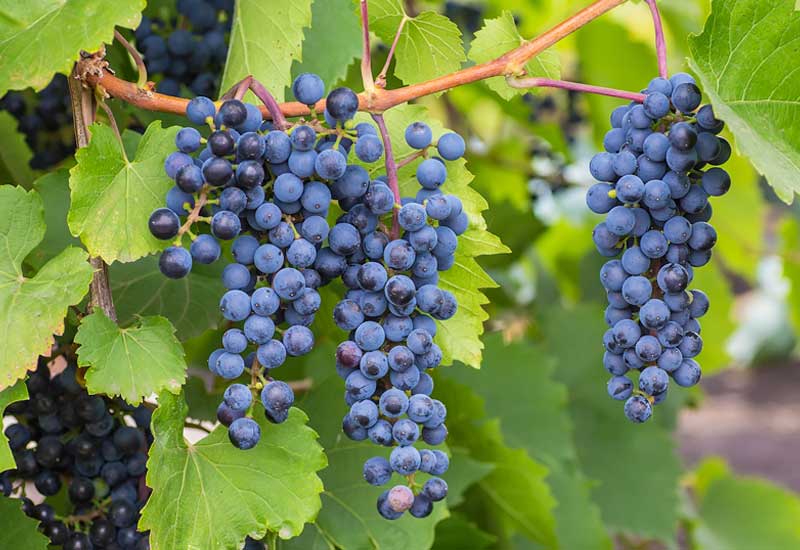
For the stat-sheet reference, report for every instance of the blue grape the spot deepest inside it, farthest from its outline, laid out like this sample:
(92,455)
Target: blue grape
(175,262)
(404,460)
(638,409)
(271,354)
(377,471)
(225,225)
(268,259)
(620,388)
(244,433)
(451,146)
(238,397)
(229,365)
(374,365)
(308,88)
(405,432)
(342,104)
(316,197)
(330,164)
(200,109)
(431,173)
(688,374)
(277,398)
(259,329)
(235,305)
(178,200)
(301,163)
(393,403)
(418,135)
(369,148)
(653,381)
(298,340)
(400,255)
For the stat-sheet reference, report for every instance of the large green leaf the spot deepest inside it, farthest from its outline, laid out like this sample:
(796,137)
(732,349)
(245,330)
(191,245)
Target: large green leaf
(43,37)
(517,385)
(14,154)
(457,533)
(631,463)
(266,38)
(53,188)
(745,59)
(32,309)
(514,495)
(112,197)
(739,513)
(429,45)
(16,529)
(190,303)
(17,392)
(332,42)
(211,495)
(459,337)
(499,36)
(130,362)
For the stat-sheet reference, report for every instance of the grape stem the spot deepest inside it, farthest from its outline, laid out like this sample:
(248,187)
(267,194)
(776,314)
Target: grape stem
(661,43)
(510,63)
(137,58)
(391,171)
(238,90)
(366,60)
(194,215)
(537,82)
(269,102)
(381,81)
(114,127)
(83,110)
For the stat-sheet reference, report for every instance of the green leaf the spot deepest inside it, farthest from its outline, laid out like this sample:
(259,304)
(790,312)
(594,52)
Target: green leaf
(112,198)
(740,513)
(515,494)
(744,58)
(630,463)
(18,530)
(14,154)
(332,42)
(457,533)
(211,495)
(130,362)
(53,188)
(17,392)
(429,45)
(517,385)
(44,37)
(191,303)
(459,337)
(32,309)
(266,38)
(499,36)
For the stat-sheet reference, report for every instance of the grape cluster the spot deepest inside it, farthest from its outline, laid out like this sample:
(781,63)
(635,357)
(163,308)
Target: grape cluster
(389,311)
(45,119)
(190,50)
(658,171)
(270,191)
(92,446)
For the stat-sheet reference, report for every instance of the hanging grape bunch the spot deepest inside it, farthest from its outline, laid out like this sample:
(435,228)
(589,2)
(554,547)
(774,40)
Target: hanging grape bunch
(279,255)
(64,437)
(188,51)
(658,172)
(389,310)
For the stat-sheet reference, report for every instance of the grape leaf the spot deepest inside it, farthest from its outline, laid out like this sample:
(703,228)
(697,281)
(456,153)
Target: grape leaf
(499,36)
(744,58)
(211,495)
(459,337)
(519,388)
(332,41)
(514,495)
(131,362)
(457,533)
(17,392)
(429,44)
(32,309)
(14,154)
(741,513)
(624,458)
(266,38)
(112,197)
(18,530)
(44,37)
(53,188)
(191,303)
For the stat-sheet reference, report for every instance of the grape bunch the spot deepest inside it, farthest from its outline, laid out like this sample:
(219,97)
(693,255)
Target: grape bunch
(45,119)
(659,169)
(270,191)
(92,446)
(389,311)
(189,50)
